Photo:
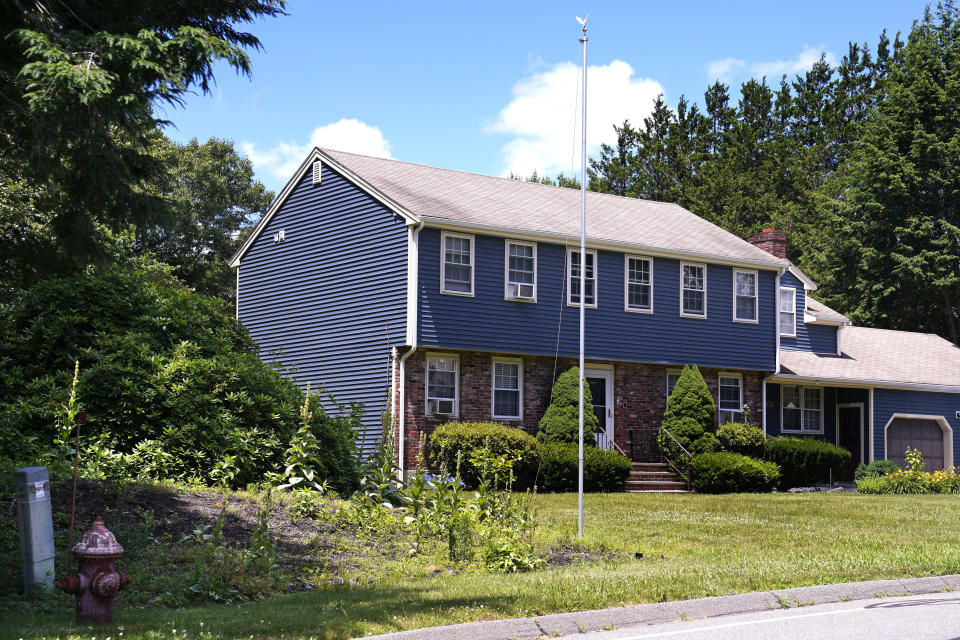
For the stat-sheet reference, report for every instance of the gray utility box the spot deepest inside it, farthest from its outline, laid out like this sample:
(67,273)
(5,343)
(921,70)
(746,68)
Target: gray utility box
(35,521)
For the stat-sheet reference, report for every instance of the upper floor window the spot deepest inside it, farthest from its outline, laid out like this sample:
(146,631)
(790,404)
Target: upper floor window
(442,385)
(638,283)
(673,377)
(573,279)
(788,312)
(801,409)
(521,271)
(507,389)
(693,290)
(730,397)
(744,295)
(456,270)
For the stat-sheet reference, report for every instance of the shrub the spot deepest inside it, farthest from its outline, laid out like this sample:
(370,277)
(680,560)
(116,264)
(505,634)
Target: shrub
(805,461)
(875,469)
(689,415)
(602,470)
(725,472)
(167,377)
(745,439)
(874,485)
(561,422)
(461,440)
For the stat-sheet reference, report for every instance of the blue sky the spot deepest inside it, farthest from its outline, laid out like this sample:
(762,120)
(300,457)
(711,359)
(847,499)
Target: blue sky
(491,88)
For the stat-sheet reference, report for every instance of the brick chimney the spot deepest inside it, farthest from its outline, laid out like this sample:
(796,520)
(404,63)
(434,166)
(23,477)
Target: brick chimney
(771,241)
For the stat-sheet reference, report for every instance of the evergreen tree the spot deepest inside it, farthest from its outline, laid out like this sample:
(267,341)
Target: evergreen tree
(561,421)
(690,413)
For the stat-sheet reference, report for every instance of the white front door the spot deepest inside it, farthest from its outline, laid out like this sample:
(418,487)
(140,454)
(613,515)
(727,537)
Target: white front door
(601,388)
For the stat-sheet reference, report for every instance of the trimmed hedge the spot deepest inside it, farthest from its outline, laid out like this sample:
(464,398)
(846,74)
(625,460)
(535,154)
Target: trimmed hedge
(875,469)
(745,439)
(805,461)
(460,439)
(725,472)
(603,471)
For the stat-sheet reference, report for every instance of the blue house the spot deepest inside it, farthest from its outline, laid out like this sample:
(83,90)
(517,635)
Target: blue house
(432,295)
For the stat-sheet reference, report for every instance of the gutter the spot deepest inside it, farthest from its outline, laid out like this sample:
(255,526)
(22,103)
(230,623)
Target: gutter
(776,372)
(413,276)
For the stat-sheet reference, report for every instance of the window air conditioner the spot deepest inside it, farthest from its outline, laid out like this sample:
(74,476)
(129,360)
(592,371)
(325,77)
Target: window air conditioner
(441,407)
(521,291)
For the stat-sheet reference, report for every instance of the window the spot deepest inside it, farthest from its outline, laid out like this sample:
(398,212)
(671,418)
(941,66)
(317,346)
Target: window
(507,389)
(672,378)
(573,281)
(744,296)
(801,409)
(788,312)
(456,272)
(442,385)
(521,271)
(638,280)
(730,396)
(693,290)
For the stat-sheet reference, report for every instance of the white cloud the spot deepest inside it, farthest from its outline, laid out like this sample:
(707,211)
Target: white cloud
(277,164)
(544,116)
(724,70)
(727,70)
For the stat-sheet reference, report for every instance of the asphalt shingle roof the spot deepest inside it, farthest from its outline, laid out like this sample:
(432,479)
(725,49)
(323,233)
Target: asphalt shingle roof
(882,355)
(474,199)
(822,312)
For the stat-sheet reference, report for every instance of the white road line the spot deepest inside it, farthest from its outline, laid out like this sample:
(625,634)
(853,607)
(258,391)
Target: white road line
(741,624)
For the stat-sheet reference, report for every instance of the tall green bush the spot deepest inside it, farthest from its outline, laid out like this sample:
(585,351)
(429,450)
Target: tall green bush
(455,442)
(805,461)
(560,423)
(167,378)
(690,414)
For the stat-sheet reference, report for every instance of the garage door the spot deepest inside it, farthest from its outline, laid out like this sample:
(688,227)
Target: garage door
(924,435)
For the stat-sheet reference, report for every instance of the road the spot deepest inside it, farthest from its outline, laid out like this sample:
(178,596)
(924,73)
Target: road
(924,617)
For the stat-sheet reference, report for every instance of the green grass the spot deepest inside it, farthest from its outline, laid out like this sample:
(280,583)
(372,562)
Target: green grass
(692,546)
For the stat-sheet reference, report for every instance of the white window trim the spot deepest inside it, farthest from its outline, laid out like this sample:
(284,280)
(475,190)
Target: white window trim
(738,376)
(596,278)
(493,387)
(443,255)
(666,381)
(426,384)
(626,283)
(756,296)
(823,410)
(702,316)
(506,269)
(780,312)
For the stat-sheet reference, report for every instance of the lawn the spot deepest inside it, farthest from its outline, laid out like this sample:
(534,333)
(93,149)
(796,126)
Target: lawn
(691,546)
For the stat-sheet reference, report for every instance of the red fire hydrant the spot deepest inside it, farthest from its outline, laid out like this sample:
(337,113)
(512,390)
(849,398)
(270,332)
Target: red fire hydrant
(96,581)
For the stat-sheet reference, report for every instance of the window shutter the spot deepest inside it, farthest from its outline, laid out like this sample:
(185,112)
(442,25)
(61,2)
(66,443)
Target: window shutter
(317,169)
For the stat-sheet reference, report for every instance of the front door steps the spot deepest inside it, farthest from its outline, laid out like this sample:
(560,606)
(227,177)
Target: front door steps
(654,476)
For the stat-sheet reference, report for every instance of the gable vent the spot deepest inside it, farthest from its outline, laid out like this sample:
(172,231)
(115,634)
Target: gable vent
(317,170)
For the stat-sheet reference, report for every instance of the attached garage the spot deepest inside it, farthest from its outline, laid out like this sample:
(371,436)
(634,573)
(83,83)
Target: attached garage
(932,435)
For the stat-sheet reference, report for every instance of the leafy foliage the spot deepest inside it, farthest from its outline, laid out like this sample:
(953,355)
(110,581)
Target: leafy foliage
(805,461)
(561,421)
(167,377)
(455,442)
(875,469)
(603,471)
(745,439)
(725,472)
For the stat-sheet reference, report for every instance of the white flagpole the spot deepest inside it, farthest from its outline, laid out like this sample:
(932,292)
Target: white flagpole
(583,274)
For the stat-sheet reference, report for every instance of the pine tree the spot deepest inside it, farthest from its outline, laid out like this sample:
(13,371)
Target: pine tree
(690,413)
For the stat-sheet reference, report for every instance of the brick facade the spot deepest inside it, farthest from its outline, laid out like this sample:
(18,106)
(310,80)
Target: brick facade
(639,395)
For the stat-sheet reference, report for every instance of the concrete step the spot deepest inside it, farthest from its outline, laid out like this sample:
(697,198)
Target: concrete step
(651,475)
(649,466)
(655,485)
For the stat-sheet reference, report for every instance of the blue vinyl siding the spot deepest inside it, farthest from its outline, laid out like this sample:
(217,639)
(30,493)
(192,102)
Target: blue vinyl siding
(487,322)
(830,395)
(890,401)
(810,337)
(329,301)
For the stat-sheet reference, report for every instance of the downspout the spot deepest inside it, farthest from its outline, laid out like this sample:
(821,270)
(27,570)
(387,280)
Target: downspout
(413,271)
(776,327)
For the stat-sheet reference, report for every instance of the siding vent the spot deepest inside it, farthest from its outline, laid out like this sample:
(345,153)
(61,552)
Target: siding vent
(317,169)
